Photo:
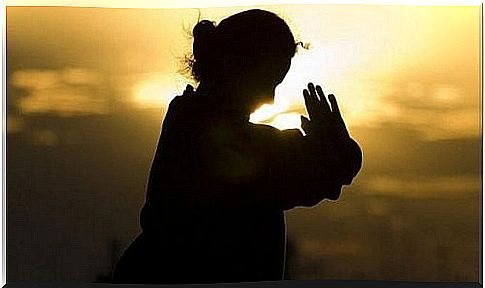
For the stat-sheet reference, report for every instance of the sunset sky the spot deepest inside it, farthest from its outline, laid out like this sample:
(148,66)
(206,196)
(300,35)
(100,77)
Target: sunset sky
(428,53)
(87,90)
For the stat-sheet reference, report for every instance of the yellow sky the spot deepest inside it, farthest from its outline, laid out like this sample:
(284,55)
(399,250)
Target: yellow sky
(223,3)
(427,54)
(84,82)
(402,64)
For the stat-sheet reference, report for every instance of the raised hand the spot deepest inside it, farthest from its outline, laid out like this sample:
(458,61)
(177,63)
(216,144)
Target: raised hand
(325,120)
(329,137)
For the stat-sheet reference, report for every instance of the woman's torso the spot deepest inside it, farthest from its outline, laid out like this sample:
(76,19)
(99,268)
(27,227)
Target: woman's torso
(205,197)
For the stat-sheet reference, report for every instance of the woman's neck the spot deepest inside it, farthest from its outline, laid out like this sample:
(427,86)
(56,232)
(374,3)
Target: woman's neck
(223,100)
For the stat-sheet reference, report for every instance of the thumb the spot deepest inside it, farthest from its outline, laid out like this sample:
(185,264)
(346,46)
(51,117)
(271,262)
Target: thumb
(305,124)
(189,89)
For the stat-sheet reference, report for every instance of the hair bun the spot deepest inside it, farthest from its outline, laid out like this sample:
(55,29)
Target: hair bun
(203,28)
(203,32)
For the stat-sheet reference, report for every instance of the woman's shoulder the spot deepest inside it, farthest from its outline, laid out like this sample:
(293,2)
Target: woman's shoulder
(182,100)
(183,105)
(270,132)
(265,128)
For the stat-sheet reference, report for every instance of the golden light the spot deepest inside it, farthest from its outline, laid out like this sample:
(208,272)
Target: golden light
(368,66)
(222,3)
(149,95)
(315,65)
(287,121)
(156,90)
(268,111)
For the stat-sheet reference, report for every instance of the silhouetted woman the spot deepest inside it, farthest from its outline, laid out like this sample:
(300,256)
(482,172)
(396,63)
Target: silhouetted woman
(219,185)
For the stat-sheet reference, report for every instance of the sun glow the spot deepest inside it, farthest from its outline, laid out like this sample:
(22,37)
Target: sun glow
(315,65)
(369,67)
(287,121)
(155,91)
(268,111)
(149,95)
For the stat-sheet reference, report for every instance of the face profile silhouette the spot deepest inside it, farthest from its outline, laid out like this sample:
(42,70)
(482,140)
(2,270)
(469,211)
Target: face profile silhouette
(219,185)
(243,59)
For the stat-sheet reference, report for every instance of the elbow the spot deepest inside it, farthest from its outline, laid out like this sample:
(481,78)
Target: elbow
(354,164)
(357,160)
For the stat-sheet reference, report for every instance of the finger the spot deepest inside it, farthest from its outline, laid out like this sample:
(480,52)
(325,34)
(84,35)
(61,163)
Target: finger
(313,93)
(314,97)
(310,103)
(305,124)
(333,102)
(339,118)
(323,100)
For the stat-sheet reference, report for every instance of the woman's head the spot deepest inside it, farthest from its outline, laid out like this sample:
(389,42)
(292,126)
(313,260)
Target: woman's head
(251,51)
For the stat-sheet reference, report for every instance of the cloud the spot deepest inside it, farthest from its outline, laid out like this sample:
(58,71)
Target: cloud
(35,79)
(63,101)
(62,92)
(80,76)
(437,110)
(14,125)
(398,149)
(45,138)
(445,187)
(154,90)
(314,247)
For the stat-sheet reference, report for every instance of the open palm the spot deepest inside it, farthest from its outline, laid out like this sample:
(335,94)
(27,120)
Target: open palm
(325,121)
